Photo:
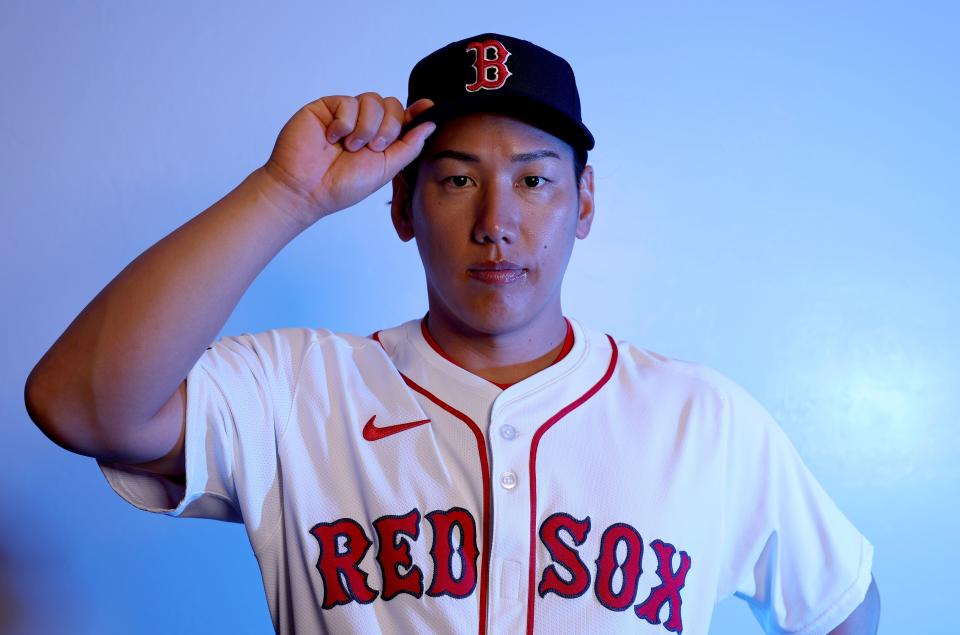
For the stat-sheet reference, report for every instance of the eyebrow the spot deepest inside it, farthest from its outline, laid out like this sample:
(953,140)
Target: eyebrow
(523,157)
(527,157)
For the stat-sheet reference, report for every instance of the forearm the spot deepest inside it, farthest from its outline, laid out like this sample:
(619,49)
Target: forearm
(128,350)
(865,618)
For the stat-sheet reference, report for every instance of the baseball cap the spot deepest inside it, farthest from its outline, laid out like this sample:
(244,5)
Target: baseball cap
(498,73)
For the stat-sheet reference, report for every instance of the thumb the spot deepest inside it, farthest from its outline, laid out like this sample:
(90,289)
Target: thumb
(405,149)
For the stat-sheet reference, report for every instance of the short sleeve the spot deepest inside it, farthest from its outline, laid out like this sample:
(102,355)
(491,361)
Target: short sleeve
(239,395)
(790,552)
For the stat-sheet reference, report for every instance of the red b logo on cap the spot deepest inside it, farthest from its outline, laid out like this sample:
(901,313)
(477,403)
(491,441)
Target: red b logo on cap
(490,65)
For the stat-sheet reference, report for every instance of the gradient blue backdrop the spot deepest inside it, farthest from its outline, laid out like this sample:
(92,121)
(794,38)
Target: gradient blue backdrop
(777,189)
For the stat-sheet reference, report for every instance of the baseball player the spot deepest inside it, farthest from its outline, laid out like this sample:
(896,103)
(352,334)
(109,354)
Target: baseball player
(491,467)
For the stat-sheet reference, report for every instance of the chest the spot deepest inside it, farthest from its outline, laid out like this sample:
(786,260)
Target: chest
(512,515)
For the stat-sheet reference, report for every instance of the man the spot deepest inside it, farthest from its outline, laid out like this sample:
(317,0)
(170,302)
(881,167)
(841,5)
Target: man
(491,467)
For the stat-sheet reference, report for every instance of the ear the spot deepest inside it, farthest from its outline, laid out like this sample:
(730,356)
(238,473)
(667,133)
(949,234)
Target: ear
(400,207)
(585,217)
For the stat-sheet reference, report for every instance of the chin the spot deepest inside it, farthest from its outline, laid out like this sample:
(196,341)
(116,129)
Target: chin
(496,318)
(488,312)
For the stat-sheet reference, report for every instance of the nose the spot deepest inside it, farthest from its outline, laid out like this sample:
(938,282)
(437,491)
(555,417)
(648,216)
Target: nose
(497,218)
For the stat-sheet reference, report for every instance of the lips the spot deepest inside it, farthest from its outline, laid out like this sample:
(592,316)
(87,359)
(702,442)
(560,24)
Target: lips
(497,272)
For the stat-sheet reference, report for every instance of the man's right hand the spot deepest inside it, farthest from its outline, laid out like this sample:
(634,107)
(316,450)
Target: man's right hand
(336,151)
(104,389)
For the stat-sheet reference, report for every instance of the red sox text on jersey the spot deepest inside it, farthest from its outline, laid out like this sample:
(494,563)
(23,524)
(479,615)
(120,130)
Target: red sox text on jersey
(344,543)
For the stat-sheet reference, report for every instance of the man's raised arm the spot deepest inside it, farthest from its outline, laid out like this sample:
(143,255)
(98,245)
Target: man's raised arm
(112,386)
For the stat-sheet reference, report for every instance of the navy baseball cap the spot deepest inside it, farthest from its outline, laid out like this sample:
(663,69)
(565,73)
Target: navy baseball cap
(498,73)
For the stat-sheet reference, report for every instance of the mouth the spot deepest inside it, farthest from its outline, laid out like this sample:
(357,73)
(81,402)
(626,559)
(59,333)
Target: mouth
(499,272)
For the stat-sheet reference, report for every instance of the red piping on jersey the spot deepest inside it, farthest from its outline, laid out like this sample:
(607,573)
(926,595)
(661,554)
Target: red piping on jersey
(485,473)
(531,584)
(567,345)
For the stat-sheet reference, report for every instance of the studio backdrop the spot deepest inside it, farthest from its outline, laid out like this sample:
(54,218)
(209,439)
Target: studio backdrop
(777,198)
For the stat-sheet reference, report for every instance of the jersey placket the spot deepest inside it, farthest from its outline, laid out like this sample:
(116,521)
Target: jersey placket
(508,438)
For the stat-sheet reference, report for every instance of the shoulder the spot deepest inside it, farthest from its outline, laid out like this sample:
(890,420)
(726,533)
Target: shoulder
(672,374)
(287,342)
(685,388)
(280,358)
(702,408)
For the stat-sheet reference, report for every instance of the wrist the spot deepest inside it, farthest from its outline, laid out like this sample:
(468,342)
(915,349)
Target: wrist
(285,198)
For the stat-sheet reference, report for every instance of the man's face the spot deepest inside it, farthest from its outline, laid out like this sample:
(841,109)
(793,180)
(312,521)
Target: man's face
(495,210)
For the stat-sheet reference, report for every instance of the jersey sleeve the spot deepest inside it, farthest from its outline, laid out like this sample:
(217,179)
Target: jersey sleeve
(799,563)
(239,396)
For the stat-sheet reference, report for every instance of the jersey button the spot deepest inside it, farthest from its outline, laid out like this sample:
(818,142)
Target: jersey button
(508,480)
(508,432)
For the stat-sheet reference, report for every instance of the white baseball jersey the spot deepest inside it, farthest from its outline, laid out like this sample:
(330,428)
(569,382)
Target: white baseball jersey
(386,490)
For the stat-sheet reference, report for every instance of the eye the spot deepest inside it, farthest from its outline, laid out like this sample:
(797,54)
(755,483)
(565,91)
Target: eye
(534,182)
(458,181)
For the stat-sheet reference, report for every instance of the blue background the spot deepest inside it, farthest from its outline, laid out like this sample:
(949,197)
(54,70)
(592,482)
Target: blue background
(777,190)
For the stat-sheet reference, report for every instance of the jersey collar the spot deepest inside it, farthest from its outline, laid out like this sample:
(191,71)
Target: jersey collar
(425,332)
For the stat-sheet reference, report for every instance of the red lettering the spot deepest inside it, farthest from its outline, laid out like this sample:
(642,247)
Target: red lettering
(607,565)
(343,581)
(490,65)
(344,544)
(394,553)
(565,556)
(669,590)
(443,552)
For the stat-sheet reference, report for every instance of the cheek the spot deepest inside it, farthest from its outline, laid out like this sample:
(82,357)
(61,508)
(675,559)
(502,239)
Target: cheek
(556,236)
(437,243)
(426,231)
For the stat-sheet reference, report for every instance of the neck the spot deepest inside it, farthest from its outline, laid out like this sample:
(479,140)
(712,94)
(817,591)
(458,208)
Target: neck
(503,357)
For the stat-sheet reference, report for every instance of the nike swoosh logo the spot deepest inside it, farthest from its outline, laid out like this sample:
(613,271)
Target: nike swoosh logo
(373,433)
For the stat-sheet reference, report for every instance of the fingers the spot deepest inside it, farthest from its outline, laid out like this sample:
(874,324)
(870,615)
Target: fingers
(367,120)
(369,117)
(371,121)
(416,109)
(390,126)
(344,111)
(407,147)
